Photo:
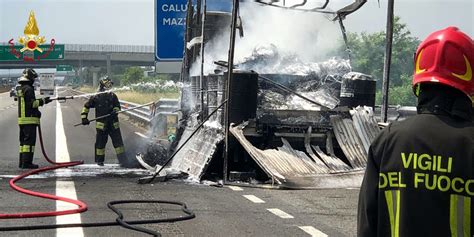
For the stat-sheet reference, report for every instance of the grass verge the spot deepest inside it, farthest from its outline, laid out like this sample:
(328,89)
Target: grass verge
(135,96)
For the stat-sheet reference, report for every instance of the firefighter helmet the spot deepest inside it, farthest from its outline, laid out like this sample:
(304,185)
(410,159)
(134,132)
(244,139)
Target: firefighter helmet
(446,57)
(29,74)
(105,83)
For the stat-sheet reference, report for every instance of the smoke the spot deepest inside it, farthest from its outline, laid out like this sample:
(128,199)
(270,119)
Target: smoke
(306,36)
(153,86)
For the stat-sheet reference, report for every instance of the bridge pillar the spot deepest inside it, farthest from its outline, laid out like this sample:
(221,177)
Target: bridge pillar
(95,76)
(109,66)
(80,70)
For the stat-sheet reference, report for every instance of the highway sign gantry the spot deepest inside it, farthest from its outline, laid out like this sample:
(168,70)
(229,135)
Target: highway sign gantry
(170,25)
(12,53)
(63,68)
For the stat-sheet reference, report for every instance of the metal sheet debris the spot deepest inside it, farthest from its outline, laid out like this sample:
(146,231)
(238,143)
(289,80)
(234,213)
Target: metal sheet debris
(365,125)
(194,158)
(350,179)
(290,168)
(334,163)
(350,142)
(354,136)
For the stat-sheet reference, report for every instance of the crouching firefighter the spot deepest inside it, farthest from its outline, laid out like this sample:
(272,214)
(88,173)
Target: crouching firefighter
(105,102)
(28,117)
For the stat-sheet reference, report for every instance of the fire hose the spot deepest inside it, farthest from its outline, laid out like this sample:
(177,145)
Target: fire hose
(82,207)
(118,112)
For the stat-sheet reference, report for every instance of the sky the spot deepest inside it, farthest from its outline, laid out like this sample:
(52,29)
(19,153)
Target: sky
(131,22)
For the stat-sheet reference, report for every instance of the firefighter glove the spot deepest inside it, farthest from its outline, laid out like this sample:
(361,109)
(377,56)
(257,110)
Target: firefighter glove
(46,100)
(85,121)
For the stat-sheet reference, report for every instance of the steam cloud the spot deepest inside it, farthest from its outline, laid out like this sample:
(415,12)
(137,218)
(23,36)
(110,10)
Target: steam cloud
(309,37)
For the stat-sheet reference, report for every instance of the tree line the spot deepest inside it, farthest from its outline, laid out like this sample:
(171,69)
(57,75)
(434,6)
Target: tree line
(367,52)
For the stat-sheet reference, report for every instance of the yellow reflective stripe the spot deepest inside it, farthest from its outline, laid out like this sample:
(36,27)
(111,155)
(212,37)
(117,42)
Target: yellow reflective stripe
(22,107)
(116,109)
(99,125)
(397,220)
(460,216)
(83,116)
(28,120)
(119,150)
(453,220)
(392,197)
(467,216)
(100,152)
(27,148)
(84,110)
(116,125)
(36,104)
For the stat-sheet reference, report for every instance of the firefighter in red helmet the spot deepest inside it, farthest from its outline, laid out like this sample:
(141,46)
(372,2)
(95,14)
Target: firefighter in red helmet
(419,179)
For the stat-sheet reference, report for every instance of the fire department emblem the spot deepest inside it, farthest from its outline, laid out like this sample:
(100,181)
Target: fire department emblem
(31,40)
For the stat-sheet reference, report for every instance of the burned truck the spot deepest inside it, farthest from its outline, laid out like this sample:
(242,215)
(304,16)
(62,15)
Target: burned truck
(290,123)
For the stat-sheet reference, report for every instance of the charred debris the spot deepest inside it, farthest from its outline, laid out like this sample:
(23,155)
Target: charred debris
(291,124)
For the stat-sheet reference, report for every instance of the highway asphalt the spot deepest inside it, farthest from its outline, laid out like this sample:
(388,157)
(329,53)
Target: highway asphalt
(220,211)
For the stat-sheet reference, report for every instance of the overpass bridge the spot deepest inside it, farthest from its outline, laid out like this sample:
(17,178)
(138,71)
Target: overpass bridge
(93,55)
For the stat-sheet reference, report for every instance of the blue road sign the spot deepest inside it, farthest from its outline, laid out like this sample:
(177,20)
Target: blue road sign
(170,26)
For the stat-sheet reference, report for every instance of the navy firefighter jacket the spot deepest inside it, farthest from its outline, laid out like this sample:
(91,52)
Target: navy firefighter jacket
(419,180)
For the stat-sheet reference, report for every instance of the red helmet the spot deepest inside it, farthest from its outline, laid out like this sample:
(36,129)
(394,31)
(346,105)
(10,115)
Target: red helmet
(446,57)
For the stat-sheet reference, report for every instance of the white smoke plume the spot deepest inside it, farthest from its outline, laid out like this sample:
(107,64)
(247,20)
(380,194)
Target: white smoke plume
(308,36)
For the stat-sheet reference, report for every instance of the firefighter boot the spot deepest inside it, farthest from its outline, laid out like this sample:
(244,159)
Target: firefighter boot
(27,161)
(122,159)
(99,160)
(20,165)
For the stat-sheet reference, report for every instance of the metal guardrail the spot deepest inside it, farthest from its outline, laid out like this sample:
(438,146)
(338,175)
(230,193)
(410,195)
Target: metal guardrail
(146,114)
(396,113)
(110,48)
(163,106)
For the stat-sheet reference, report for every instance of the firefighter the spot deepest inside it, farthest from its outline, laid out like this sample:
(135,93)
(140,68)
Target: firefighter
(28,117)
(105,102)
(419,179)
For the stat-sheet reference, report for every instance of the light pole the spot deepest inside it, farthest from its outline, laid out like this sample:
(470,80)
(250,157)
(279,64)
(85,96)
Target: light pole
(387,61)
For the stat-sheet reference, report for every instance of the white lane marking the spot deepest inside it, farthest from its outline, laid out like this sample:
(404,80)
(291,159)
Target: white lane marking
(280,213)
(254,199)
(141,135)
(312,231)
(235,188)
(65,188)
